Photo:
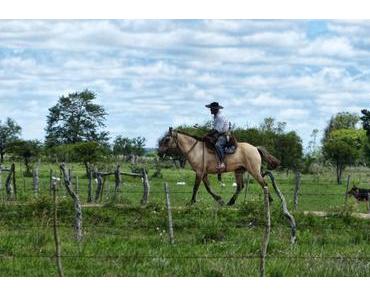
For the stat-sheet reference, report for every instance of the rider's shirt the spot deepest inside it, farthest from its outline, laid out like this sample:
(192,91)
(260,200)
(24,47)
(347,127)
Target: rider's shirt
(220,123)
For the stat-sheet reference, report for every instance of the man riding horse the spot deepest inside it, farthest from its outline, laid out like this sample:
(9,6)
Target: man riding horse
(218,135)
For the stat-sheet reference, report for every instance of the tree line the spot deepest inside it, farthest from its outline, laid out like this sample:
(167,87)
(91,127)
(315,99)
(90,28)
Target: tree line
(75,131)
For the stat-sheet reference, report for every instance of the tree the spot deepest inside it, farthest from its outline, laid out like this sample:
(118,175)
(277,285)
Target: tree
(289,150)
(365,118)
(88,152)
(343,147)
(342,120)
(128,146)
(28,150)
(138,144)
(74,119)
(9,132)
(122,146)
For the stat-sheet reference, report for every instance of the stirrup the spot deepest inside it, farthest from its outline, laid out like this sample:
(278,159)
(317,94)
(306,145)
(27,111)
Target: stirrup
(221,167)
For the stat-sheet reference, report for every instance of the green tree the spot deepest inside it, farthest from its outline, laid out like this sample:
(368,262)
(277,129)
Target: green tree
(9,132)
(138,145)
(289,150)
(28,150)
(343,147)
(342,120)
(365,118)
(76,118)
(122,146)
(88,152)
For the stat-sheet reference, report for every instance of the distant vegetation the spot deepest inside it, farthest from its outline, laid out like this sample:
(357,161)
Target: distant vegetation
(75,132)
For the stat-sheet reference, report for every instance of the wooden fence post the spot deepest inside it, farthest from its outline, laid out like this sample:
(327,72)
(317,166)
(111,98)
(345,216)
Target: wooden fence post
(146,186)
(77,203)
(286,212)
(168,205)
(8,185)
(347,188)
(51,180)
(1,184)
(35,175)
(266,234)
(296,189)
(70,174)
(55,228)
(89,189)
(14,182)
(99,187)
(117,181)
(246,187)
(76,184)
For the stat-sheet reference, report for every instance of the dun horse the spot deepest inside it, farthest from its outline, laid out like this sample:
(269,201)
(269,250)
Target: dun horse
(246,158)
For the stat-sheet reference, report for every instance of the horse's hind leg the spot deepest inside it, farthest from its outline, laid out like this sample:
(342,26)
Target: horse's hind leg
(209,190)
(239,185)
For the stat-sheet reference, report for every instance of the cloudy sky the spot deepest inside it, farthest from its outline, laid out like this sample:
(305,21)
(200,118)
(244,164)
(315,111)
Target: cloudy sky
(150,75)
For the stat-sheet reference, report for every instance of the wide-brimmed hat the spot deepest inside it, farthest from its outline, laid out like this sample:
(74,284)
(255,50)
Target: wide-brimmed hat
(214,105)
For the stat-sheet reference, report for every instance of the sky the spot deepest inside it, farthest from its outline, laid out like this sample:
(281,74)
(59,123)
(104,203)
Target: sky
(152,74)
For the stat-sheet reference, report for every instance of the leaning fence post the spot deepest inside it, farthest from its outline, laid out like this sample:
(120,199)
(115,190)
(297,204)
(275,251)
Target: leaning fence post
(347,188)
(55,228)
(77,203)
(168,205)
(286,212)
(266,234)
(146,186)
(296,189)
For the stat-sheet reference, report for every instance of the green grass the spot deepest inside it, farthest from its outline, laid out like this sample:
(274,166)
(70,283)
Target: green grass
(130,240)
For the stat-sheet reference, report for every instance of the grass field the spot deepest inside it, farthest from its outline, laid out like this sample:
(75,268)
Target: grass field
(126,239)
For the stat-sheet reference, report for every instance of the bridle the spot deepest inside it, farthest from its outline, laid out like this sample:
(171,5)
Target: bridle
(174,135)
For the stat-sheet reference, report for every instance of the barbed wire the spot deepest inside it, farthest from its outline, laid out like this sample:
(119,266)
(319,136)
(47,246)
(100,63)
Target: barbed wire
(136,256)
(251,225)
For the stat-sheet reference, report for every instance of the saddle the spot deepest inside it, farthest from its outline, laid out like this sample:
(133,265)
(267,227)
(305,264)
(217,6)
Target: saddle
(210,141)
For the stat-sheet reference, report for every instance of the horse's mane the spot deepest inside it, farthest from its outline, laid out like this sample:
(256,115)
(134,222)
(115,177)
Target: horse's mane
(199,138)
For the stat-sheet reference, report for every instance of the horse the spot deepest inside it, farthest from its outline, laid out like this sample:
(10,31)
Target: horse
(245,158)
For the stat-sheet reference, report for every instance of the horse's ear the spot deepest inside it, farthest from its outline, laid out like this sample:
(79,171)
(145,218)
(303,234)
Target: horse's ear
(170,130)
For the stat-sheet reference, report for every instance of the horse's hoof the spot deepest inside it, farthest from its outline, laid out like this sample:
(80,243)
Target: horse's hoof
(231,202)
(221,202)
(191,203)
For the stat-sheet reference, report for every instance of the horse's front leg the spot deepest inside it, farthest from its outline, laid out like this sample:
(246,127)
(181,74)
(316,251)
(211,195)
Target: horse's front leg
(198,179)
(209,190)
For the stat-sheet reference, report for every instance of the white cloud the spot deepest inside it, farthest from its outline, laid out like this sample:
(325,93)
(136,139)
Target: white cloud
(164,71)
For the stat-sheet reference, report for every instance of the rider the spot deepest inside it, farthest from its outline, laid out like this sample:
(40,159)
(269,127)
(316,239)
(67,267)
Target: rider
(219,131)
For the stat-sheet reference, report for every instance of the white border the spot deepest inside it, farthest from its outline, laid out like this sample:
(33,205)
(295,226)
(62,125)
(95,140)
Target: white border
(180,9)
(184,287)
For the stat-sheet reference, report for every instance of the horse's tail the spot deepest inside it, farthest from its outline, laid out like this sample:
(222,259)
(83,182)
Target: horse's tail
(270,159)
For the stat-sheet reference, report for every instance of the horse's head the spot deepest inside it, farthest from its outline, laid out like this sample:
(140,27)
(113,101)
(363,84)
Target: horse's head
(167,143)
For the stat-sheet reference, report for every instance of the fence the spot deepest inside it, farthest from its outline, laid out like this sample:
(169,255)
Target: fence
(72,187)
